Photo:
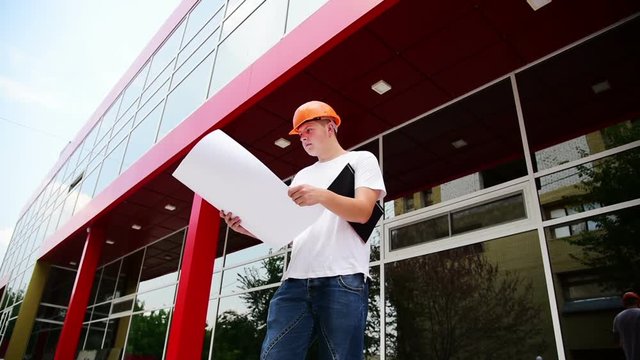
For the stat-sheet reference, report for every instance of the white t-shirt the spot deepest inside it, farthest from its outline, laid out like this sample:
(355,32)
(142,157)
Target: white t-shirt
(330,246)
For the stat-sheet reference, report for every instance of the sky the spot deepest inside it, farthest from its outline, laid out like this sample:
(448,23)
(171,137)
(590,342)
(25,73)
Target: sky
(58,61)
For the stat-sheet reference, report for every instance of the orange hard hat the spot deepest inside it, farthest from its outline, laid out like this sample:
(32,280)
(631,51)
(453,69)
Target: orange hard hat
(310,111)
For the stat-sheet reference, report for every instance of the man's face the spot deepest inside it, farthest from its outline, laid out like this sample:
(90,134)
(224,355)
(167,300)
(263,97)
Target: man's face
(314,134)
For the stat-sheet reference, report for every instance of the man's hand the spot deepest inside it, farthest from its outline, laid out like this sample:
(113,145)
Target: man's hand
(233,222)
(307,195)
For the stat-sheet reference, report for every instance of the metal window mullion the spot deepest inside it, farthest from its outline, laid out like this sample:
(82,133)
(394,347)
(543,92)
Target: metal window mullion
(536,217)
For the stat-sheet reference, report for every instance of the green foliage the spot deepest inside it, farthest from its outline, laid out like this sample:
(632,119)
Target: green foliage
(147,334)
(615,248)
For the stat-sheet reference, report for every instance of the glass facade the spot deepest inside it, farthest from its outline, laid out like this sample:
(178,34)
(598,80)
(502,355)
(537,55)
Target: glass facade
(515,242)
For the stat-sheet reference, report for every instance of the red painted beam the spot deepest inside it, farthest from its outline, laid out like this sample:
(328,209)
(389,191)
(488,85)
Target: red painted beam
(68,341)
(188,325)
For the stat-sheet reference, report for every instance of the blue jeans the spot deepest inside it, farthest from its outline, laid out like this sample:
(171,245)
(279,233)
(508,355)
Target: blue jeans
(332,310)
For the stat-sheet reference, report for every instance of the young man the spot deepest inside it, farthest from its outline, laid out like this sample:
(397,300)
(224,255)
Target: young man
(626,326)
(325,293)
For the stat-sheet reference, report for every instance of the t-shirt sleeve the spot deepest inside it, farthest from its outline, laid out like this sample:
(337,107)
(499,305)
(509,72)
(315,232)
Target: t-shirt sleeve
(368,173)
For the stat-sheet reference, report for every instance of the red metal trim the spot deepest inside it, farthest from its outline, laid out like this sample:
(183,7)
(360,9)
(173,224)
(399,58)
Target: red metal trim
(187,333)
(164,31)
(71,329)
(331,24)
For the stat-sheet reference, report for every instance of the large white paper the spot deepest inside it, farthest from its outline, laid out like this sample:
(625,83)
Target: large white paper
(230,178)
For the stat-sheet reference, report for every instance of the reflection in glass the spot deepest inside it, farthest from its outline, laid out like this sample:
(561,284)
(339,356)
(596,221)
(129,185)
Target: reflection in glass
(422,166)
(159,298)
(43,341)
(110,167)
(212,310)
(108,282)
(299,10)
(129,272)
(86,191)
(142,137)
(259,273)
(257,34)
(421,232)
(486,300)
(201,14)
(58,288)
(147,335)
(372,330)
(95,335)
(607,181)
(186,97)
(489,214)
(161,262)
(575,93)
(591,269)
(241,325)
(166,53)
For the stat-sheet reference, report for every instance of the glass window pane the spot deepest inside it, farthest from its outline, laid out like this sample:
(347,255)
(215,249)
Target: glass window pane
(592,268)
(110,167)
(259,273)
(166,53)
(142,137)
(421,159)
(241,325)
(58,288)
(95,335)
(491,299)
(489,214)
(108,282)
(205,35)
(577,93)
(201,14)
(421,232)
(134,88)
(607,181)
(147,335)
(155,299)
(86,190)
(248,42)
(202,52)
(101,311)
(300,10)
(241,248)
(186,97)
(108,119)
(161,261)
(128,277)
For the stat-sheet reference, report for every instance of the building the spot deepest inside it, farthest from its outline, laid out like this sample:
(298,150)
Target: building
(509,141)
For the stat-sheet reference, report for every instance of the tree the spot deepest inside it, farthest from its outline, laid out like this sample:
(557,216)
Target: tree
(235,337)
(614,247)
(457,305)
(147,334)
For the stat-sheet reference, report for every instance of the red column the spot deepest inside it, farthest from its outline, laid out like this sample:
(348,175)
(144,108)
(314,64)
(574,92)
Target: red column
(187,327)
(68,341)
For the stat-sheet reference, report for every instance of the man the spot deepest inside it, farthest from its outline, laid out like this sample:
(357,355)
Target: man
(325,293)
(626,326)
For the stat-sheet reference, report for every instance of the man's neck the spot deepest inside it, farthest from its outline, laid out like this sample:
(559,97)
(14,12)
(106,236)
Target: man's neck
(331,153)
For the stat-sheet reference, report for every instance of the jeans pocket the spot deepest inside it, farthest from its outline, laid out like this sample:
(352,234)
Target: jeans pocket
(353,282)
